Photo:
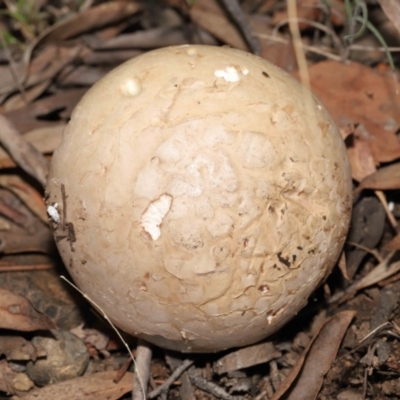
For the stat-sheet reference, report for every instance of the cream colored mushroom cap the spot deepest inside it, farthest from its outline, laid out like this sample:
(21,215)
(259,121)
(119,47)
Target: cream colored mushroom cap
(203,194)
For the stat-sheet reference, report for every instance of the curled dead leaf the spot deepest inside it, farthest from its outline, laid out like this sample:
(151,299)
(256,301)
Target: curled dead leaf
(18,313)
(306,377)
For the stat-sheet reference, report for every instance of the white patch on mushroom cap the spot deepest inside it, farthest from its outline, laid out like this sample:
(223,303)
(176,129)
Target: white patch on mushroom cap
(229,74)
(154,214)
(191,52)
(53,213)
(132,87)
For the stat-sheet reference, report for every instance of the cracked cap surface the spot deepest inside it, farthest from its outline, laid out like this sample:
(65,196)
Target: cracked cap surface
(208,194)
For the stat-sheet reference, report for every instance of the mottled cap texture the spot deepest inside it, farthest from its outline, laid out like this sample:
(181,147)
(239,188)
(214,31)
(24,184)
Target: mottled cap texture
(199,195)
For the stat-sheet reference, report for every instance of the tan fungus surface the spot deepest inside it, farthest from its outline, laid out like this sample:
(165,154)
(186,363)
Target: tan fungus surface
(206,195)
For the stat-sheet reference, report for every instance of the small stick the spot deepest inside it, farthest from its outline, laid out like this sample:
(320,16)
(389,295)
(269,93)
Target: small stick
(142,370)
(173,377)
(210,387)
(28,267)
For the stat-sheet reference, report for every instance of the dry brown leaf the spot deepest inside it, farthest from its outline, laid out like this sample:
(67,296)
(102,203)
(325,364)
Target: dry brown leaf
(46,139)
(386,178)
(26,119)
(27,193)
(98,386)
(42,69)
(6,377)
(343,266)
(105,58)
(18,313)
(306,377)
(37,238)
(361,159)
(382,271)
(12,382)
(20,100)
(82,75)
(15,240)
(247,357)
(306,9)
(21,231)
(392,11)
(394,244)
(17,348)
(359,96)
(155,38)
(23,153)
(55,58)
(92,337)
(212,18)
(89,20)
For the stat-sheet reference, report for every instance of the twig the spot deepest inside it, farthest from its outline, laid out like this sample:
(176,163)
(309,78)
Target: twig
(174,376)
(186,389)
(237,14)
(142,370)
(210,387)
(298,50)
(22,152)
(33,267)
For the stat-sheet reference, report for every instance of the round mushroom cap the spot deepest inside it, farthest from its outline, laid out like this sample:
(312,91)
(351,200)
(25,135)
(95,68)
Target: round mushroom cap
(199,195)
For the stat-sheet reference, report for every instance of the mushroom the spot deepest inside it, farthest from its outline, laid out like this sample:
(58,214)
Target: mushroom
(199,196)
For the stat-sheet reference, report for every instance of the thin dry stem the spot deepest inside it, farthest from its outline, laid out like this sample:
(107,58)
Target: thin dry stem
(111,324)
